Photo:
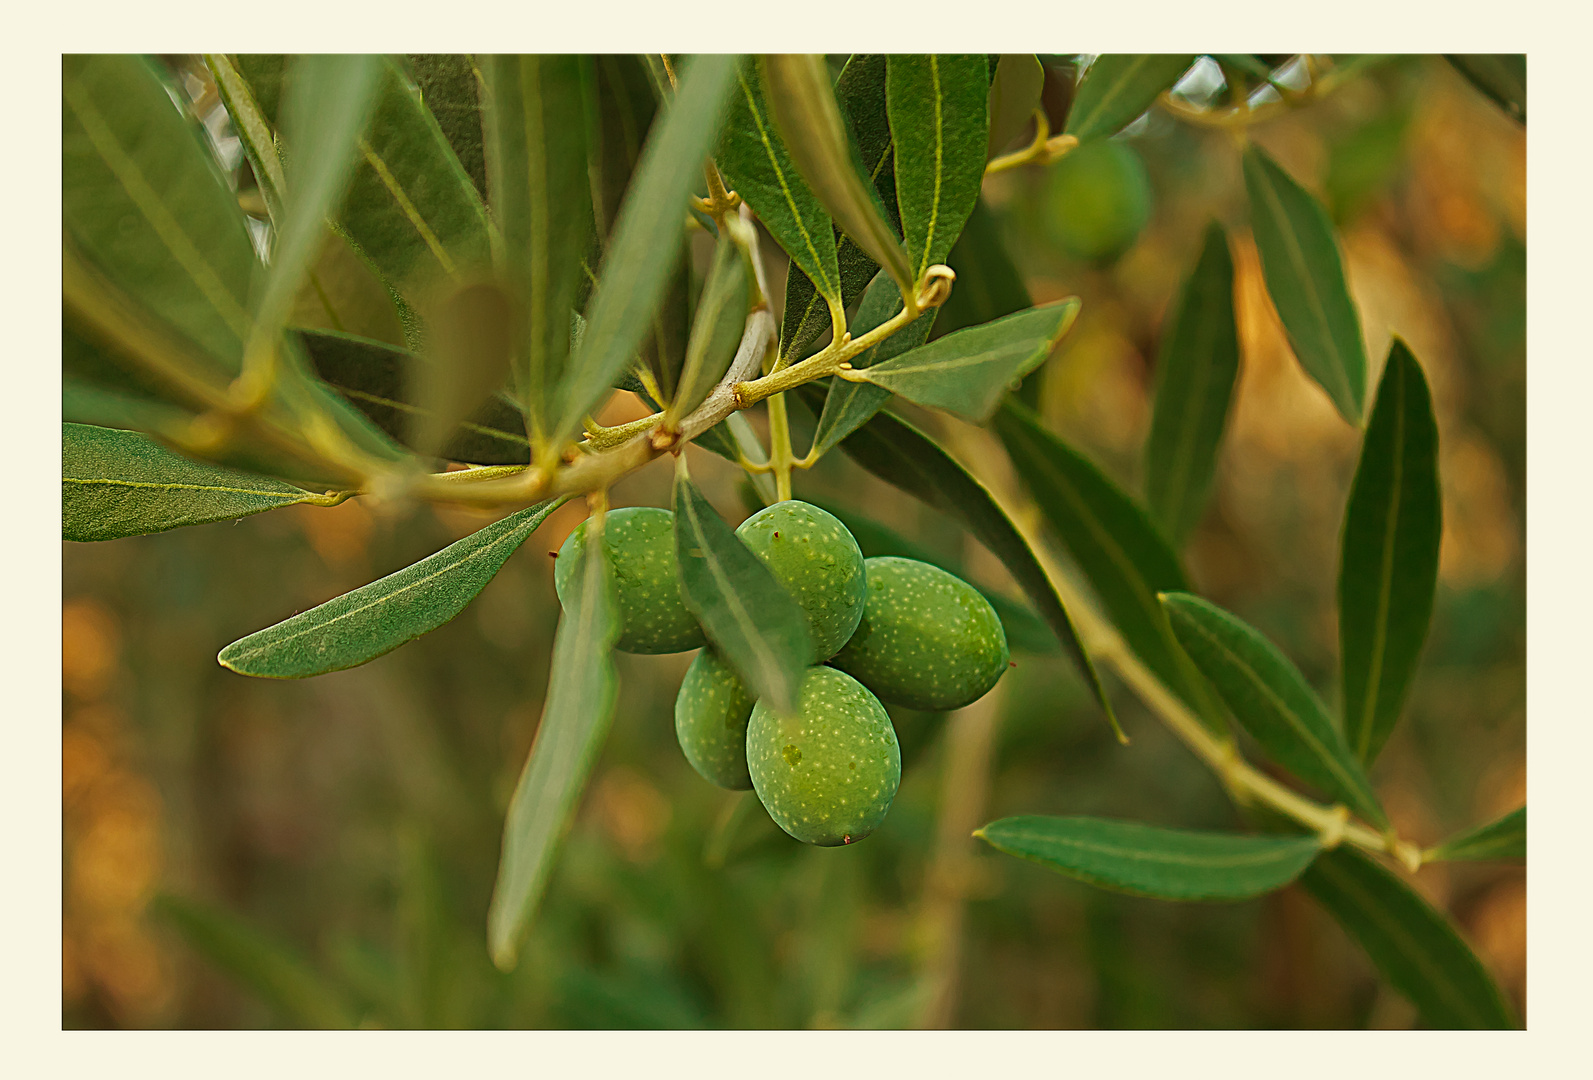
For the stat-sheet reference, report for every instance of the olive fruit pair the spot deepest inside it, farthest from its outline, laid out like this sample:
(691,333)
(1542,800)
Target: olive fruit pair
(892,629)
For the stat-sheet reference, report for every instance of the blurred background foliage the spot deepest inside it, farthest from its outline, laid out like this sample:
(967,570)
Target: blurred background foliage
(243,853)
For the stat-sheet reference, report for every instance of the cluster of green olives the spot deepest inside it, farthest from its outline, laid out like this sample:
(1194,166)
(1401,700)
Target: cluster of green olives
(884,629)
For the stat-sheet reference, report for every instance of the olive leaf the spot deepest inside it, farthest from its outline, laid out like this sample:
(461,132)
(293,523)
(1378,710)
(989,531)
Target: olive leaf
(450,84)
(1014,96)
(1388,561)
(1196,368)
(1147,860)
(1117,89)
(375,619)
(1502,839)
(716,330)
(576,716)
(1502,78)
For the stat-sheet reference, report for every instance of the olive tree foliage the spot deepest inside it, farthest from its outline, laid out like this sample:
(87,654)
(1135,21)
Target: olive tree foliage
(453,261)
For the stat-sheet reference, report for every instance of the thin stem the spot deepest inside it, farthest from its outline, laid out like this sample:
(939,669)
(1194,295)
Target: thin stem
(1045,149)
(780,456)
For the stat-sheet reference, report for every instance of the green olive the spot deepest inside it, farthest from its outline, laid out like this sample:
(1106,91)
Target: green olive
(640,544)
(1100,199)
(711,713)
(927,640)
(819,563)
(826,775)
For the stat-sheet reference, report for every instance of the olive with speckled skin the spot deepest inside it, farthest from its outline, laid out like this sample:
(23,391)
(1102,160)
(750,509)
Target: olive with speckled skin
(711,713)
(928,639)
(818,561)
(826,775)
(640,544)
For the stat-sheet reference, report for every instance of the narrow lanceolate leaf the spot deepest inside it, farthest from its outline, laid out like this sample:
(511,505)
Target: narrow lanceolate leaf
(743,608)
(1014,96)
(900,454)
(575,720)
(967,372)
(450,86)
(849,405)
(412,209)
(1117,89)
(1270,697)
(1388,563)
(810,122)
(939,110)
(648,236)
(1195,372)
(754,160)
(255,131)
(377,618)
(626,105)
(716,330)
(1305,278)
(144,201)
(377,379)
(274,970)
(1502,839)
(1173,864)
(326,106)
(120,483)
(541,196)
(1026,631)
(860,92)
(1114,543)
(1502,78)
(1414,947)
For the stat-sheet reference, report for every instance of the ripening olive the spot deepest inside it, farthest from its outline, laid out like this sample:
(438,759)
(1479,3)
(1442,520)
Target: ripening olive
(813,555)
(826,775)
(1100,199)
(927,640)
(640,544)
(711,713)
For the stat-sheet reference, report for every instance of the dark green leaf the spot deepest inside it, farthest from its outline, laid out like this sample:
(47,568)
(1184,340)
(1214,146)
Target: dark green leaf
(1117,89)
(755,162)
(374,378)
(1305,278)
(1014,95)
(263,73)
(939,112)
(748,615)
(1026,631)
(626,105)
(967,372)
(450,87)
(411,209)
(375,619)
(144,201)
(1502,78)
(273,969)
(860,91)
(900,454)
(120,483)
(575,720)
(1195,373)
(255,130)
(1388,563)
(541,196)
(1173,864)
(716,330)
(1502,839)
(648,236)
(1270,697)
(1114,543)
(1415,947)
(849,404)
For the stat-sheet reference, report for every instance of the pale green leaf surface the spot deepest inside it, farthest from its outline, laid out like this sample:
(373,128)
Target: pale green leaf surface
(1305,277)
(576,716)
(375,619)
(121,483)
(1505,838)
(1272,700)
(1196,369)
(749,616)
(1146,860)
(450,87)
(716,329)
(647,238)
(939,114)
(967,372)
(1388,561)
(1415,947)
(1118,88)
(1014,96)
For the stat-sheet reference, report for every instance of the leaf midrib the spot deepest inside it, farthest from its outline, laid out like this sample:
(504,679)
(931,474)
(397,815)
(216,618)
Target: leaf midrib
(1385,583)
(265,493)
(1233,861)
